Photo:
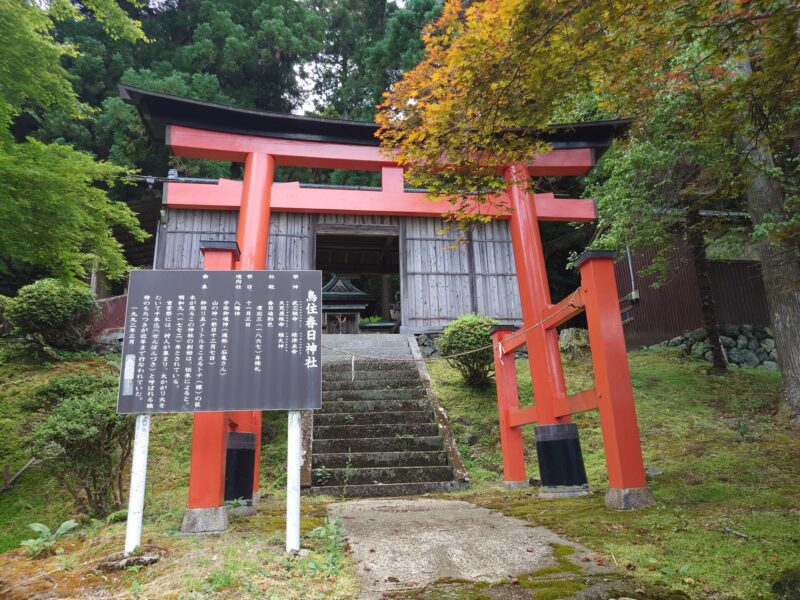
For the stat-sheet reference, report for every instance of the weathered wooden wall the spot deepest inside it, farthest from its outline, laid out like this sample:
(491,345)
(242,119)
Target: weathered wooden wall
(440,279)
(290,238)
(443,280)
(434,274)
(495,275)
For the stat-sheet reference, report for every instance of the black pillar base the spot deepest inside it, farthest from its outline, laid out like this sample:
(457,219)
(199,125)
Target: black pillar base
(558,450)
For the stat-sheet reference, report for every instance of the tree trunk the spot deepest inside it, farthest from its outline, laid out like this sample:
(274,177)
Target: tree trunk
(780,268)
(697,246)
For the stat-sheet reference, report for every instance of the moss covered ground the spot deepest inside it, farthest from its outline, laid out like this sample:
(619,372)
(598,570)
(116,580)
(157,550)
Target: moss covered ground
(727,521)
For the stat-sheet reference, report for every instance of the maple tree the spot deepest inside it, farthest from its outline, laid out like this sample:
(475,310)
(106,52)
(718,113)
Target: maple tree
(496,73)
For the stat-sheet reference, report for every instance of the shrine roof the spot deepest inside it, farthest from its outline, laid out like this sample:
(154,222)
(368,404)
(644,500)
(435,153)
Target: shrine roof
(157,110)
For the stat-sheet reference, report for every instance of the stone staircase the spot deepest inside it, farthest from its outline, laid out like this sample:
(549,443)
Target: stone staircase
(378,433)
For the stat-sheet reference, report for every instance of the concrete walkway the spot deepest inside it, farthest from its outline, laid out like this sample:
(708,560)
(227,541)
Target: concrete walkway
(401,544)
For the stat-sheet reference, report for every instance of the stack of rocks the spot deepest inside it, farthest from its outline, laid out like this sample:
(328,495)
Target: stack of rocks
(427,343)
(745,346)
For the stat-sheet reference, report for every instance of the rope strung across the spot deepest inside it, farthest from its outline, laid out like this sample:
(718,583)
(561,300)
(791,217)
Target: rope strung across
(517,333)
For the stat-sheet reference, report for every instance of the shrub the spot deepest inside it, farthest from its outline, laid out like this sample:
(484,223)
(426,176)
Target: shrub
(43,543)
(51,394)
(54,312)
(86,445)
(5,325)
(470,332)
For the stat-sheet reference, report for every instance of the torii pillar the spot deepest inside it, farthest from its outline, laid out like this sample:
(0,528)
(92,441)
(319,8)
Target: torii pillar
(206,512)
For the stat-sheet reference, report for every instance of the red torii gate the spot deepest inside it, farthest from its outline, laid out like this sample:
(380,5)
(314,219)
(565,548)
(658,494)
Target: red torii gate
(258,195)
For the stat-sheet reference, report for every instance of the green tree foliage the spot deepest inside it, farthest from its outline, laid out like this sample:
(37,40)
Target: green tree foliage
(367,47)
(496,72)
(57,313)
(471,334)
(53,214)
(85,444)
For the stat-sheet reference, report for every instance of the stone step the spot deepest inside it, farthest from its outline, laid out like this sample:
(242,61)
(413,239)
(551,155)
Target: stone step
(361,460)
(387,489)
(350,445)
(381,375)
(384,475)
(368,365)
(358,406)
(371,384)
(366,418)
(408,394)
(384,430)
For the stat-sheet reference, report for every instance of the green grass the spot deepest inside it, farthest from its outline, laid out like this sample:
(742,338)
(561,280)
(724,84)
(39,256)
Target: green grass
(728,514)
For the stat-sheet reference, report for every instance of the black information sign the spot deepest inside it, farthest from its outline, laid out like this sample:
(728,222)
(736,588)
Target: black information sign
(199,341)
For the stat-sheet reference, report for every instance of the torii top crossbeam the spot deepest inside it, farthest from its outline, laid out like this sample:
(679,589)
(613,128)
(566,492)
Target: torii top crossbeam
(197,129)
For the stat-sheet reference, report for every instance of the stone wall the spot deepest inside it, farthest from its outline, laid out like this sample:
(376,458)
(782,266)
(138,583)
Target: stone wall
(745,346)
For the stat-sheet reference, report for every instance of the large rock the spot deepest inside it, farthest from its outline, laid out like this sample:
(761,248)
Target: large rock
(727,342)
(741,342)
(746,330)
(769,365)
(768,344)
(734,355)
(698,334)
(574,342)
(731,331)
(749,359)
(753,344)
(698,349)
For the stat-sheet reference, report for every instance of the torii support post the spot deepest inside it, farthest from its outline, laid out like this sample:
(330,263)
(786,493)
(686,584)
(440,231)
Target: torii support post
(558,450)
(557,444)
(626,478)
(253,238)
(507,402)
(206,512)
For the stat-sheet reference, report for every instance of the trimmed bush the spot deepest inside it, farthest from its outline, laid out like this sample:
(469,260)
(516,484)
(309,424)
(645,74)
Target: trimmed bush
(469,332)
(85,445)
(54,312)
(51,394)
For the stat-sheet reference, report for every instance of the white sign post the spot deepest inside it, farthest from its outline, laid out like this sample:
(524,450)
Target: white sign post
(293,460)
(141,439)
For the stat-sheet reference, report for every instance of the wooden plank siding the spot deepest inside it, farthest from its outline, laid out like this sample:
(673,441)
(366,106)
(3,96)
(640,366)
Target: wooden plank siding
(496,290)
(664,312)
(290,238)
(440,280)
(443,280)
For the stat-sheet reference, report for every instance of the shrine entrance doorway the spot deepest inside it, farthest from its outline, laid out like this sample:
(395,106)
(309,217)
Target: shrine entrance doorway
(361,278)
